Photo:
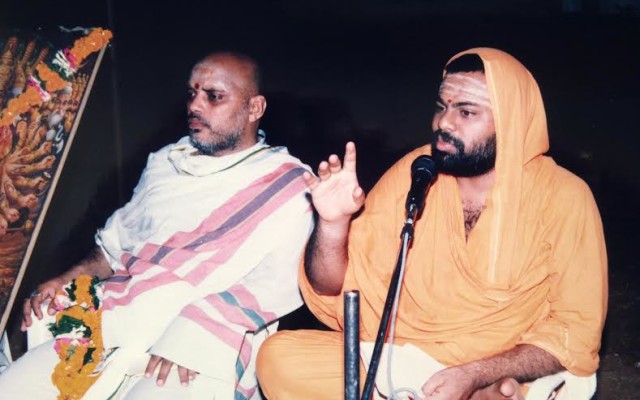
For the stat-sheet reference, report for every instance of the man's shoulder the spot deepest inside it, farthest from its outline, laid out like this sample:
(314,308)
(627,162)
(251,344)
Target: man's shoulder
(165,149)
(562,181)
(160,157)
(560,186)
(279,155)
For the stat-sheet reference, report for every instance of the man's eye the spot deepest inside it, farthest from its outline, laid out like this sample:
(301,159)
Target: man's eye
(191,94)
(467,113)
(212,96)
(439,107)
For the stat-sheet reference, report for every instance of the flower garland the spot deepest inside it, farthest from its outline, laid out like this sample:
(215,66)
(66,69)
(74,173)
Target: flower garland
(78,334)
(55,75)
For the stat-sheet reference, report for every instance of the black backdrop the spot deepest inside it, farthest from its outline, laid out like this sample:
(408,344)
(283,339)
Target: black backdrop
(335,71)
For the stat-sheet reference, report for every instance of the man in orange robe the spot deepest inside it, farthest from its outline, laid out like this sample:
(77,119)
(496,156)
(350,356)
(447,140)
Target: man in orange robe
(506,280)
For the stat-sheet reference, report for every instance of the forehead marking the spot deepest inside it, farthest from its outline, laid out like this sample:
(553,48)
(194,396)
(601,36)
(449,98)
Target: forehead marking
(465,88)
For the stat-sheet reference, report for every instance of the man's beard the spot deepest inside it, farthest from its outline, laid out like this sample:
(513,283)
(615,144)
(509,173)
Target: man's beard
(225,140)
(479,161)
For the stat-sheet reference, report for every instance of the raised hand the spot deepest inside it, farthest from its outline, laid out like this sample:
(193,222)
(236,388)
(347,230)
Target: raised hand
(335,192)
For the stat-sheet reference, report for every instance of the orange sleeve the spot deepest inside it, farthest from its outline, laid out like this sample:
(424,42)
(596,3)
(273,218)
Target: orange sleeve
(323,307)
(369,248)
(578,281)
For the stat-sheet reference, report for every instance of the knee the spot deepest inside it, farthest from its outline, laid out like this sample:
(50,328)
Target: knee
(271,362)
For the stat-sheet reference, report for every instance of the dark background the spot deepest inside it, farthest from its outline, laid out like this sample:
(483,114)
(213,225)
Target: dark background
(354,70)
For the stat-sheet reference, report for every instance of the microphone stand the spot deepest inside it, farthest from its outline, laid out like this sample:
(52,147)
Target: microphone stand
(406,236)
(351,345)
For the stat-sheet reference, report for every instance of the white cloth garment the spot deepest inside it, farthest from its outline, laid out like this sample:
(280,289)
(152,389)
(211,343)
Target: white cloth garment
(411,368)
(205,256)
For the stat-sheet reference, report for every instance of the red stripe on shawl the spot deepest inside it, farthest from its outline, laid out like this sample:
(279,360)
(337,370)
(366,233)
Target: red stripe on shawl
(286,193)
(219,330)
(233,240)
(115,286)
(245,297)
(140,287)
(247,300)
(179,256)
(245,354)
(221,214)
(138,268)
(246,393)
(235,313)
(124,259)
(147,251)
(230,312)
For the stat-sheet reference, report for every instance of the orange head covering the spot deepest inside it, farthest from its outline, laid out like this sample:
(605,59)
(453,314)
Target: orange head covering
(532,270)
(521,136)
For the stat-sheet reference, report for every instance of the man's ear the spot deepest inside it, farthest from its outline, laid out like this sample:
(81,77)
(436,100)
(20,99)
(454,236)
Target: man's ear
(257,106)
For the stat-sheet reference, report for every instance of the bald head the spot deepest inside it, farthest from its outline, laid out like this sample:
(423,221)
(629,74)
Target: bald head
(244,67)
(224,104)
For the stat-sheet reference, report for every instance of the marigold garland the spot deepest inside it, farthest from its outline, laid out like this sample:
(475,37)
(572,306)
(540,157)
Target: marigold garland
(53,81)
(50,80)
(95,40)
(78,334)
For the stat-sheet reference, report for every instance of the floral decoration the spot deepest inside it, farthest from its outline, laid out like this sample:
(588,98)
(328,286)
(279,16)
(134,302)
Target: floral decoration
(55,75)
(78,335)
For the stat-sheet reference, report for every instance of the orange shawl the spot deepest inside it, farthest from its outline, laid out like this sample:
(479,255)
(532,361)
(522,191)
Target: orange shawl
(533,269)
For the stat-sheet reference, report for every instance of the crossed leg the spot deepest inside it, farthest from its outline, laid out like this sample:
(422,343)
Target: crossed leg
(295,365)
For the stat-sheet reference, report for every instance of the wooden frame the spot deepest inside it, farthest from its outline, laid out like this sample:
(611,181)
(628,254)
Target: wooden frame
(34,144)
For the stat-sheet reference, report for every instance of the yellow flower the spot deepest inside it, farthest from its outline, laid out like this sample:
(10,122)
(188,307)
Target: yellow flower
(72,375)
(81,49)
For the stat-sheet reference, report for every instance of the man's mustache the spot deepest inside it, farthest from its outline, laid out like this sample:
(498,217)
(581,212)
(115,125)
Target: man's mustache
(448,138)
(193,116)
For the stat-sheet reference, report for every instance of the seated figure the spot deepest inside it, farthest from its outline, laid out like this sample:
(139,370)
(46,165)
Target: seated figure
(199,265)
(506,277)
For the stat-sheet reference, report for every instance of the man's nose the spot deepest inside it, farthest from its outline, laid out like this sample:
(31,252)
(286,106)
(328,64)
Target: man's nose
(445,121)
(194,104)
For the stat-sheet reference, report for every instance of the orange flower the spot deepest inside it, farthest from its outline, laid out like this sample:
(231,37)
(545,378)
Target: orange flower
(19,105)
(72,376)
(90,43)
(53,81)
(82,47)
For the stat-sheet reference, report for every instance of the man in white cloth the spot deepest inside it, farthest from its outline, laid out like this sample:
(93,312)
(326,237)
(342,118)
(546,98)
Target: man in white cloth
(202,259)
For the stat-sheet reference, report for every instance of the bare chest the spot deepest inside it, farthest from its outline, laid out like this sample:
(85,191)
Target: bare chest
(471,211)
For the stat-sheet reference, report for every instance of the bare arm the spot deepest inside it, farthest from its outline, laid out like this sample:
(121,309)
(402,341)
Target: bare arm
(336,196)
(94,264)
(523,363)
(326,257)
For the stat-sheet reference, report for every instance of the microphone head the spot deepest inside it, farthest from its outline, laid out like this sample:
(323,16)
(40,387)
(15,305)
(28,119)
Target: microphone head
(423,171)
(423,165)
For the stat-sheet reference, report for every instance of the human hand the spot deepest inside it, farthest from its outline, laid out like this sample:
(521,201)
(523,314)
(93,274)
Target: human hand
(336,193)
(44,292)
(185,374)
(503,389)
(454,383)
(458,383)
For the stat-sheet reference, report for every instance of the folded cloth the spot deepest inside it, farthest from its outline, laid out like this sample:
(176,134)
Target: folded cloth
(38,332)
(574,388)
(411,367)
(121,370)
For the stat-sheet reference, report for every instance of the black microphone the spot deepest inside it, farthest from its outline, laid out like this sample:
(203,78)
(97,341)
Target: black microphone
(423,170)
